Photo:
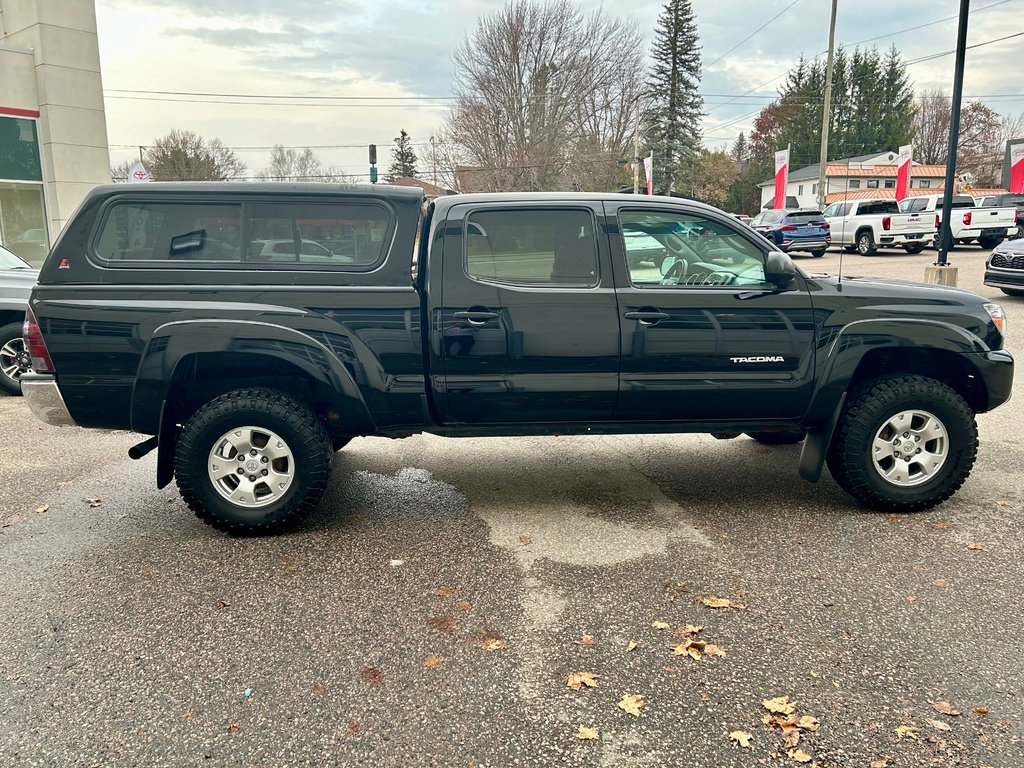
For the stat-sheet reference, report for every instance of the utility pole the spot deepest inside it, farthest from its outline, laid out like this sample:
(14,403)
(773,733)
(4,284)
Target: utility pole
(141,150)
(940,272)
(826,112)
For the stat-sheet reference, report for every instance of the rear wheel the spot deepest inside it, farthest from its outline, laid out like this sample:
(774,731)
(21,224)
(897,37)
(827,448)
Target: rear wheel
(14,358)
(866,244)
(252,461)
(903,444)
(782,437)
(1012,291)
(818,253)
(988,243)
(913,248)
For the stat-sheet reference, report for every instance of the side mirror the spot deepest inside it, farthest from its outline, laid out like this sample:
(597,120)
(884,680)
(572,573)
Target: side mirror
(188,243)
(779,270)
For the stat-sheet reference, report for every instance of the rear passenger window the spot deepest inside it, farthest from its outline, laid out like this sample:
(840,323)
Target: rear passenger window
(344,235)
(171,232)
(532,247)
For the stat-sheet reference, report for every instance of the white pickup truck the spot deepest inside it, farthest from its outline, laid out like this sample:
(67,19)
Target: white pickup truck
(867,225)
(989,226)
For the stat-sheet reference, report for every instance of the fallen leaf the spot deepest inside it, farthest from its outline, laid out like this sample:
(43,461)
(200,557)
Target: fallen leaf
(576,680)
(977,547)
(525,540)
(689,648)
(586,640)
(940,583)
(221,605)
(1003,503)
(42,508)
(879,762)
(445,591)
(741,737)
(780,705)
(489,641)
(445,624)
(942,526)
(319,689)
(660,624)
(463,605)
(714,650)
(234,727)
(372,676)
(94,501)
(149,571)
(799,755)
(586,733)
(938,725)
(908,731)
(790,736)
(690,630)
(945,708)
(721,602)
(808,723)
(432,660)
(980,711)
(632,703)
(353,727)
(631,646)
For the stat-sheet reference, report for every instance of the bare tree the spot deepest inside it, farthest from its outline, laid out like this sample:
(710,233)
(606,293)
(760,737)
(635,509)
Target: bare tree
(184,155)
(978,142)
(931,127)
(546,98)
(119,171)
(294,165)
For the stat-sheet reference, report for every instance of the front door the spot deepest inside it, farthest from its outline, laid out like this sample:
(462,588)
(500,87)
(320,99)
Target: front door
(704,336)
(528,326)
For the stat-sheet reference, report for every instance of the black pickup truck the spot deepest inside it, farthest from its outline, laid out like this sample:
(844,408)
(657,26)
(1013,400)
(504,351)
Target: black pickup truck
(252,329)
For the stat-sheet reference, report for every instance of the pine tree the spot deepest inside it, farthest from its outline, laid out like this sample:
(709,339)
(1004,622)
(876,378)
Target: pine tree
(403,158)
(740,150)
(674,110)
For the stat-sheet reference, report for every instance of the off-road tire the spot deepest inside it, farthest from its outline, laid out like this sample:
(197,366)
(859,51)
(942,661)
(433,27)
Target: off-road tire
(849,456)
(782,437)
(866,243)
(9,333)
(265,408)
(913,248)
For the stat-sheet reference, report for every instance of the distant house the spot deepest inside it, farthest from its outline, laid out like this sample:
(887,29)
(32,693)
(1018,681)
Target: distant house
(430,190)
(866,177)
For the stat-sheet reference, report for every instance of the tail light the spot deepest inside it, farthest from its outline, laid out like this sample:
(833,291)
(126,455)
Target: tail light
(967,218)
(788,228)
(41,362)
(886,222)
(938,222)
(826,225)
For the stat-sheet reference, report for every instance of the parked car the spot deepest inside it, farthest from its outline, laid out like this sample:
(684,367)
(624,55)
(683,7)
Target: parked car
(524,317)
(1006,200)
(989,226)
(1005,268)
(865,226)
(16,280)
(789,231)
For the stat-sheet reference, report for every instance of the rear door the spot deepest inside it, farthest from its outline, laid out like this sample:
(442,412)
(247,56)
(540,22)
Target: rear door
(704,338)
(837,217)
(528,325)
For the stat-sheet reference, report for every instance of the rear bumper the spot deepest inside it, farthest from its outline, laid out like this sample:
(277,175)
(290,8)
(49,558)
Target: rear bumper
(996,371)
(905,238)
(44,399)
(804,245)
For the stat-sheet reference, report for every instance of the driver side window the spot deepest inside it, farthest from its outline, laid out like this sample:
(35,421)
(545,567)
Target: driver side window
(686,250)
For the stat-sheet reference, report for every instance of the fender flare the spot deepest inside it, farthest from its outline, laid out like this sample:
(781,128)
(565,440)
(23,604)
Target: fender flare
(173,342)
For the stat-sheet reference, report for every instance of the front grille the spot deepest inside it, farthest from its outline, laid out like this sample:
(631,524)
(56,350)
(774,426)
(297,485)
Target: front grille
(1007,262)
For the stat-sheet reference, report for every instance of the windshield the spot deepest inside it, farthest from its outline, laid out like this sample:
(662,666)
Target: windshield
(805,217)
(9,261)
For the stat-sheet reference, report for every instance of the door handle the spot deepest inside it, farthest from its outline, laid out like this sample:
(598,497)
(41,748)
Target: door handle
(476,317)
(647,317)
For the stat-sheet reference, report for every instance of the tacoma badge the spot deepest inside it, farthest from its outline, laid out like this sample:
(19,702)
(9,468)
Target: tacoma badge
(759,359)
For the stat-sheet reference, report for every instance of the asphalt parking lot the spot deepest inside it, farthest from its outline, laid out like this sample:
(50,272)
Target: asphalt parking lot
(432,611)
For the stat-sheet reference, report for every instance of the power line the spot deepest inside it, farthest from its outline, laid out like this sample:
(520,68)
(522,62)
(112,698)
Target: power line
(969,47)
(741,42)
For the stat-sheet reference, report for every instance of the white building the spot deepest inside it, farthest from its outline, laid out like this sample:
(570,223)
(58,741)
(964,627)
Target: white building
(53,131)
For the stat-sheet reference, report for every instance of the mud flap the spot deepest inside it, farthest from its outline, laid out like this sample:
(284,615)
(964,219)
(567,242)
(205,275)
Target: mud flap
(168,439)
(812,457)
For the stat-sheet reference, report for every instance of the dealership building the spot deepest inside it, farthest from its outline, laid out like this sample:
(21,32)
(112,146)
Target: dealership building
(53,131)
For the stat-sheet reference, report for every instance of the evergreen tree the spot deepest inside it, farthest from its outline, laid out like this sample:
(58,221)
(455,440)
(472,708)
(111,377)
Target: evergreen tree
(403,158)
(674,110)
(740,150)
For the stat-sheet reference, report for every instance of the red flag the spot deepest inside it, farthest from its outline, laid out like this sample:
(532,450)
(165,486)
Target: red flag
(903,171)
(1017,168)
(781,177)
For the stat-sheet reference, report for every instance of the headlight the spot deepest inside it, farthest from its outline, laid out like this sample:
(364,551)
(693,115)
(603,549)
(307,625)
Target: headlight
(998,316)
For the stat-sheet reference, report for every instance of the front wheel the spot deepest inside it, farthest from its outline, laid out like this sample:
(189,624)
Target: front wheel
(913,248)
(904,444)
(14,358)
(252,461)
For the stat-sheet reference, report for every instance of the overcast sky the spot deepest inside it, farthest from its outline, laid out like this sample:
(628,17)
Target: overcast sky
(401,48)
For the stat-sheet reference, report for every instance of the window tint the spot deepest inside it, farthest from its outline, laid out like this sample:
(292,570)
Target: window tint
(532,247)
(687,250)
(343,235)
(171,232)
(805,217)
